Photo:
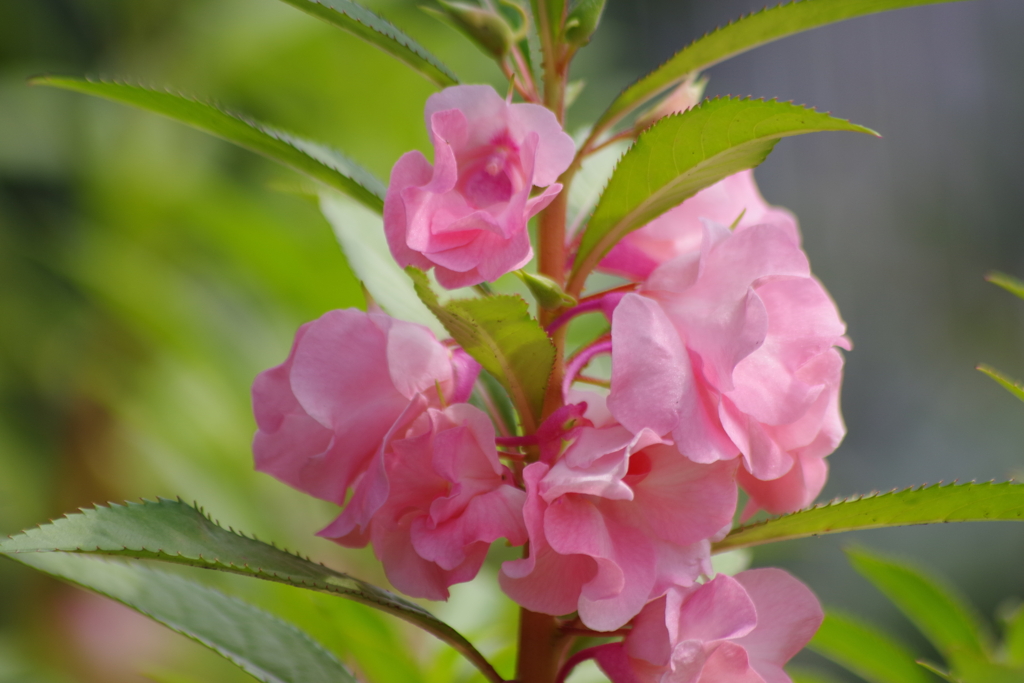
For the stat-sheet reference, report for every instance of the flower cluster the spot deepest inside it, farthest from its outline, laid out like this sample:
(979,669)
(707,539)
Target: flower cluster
(725,376)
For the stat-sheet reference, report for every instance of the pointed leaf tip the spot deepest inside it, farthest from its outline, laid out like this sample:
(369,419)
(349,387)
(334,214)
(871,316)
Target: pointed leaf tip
(683,153)
(747,32)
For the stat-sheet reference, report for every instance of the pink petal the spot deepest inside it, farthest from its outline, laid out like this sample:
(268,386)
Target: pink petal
(649,637)
(555,150)
(788,616)
(684,502)
(480,104)
(793,491)
(718,610)
(651,375)
(729,664)
(615,663)
(544,581)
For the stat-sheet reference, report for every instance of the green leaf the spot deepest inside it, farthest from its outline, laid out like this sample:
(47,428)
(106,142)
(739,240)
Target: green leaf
(741,35)
(1007,282)
(1014,641)
(582,21)
(864,650)
(172,531)
(942,616)
(546,291)
(356,19)
(682,154)
(937,670)
(1014,387)
(360,232)
(257,642)
(969,667)
(500,333)
(316,161)
(925,505)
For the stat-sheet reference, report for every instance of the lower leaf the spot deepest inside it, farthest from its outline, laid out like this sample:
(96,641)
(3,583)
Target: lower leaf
(257,642)
(867,652)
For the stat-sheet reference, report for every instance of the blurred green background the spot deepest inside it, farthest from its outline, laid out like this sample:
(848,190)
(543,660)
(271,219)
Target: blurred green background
(148,272)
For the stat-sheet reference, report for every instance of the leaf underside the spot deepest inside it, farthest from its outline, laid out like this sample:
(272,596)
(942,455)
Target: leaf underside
(360,232)
(259,643)
(925,505)
(173,531)
(867,652)
(742,35)
(684,153)
(316,161)
(499,332)
(360,21)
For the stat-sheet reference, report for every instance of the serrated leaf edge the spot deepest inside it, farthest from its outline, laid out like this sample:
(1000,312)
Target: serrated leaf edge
(835,502)
(281,135)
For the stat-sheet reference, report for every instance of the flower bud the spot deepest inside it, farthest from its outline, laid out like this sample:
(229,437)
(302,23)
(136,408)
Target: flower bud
(584,16)
(486,27)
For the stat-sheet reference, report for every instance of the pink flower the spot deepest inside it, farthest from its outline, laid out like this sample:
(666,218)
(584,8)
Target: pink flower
(729,630)
(324,412)
(679,230)
(614,523)
(467,214)
(730,350)
(447,498)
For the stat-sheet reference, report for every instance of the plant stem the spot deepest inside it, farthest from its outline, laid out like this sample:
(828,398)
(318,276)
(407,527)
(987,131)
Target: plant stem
(541,644)
(541,648)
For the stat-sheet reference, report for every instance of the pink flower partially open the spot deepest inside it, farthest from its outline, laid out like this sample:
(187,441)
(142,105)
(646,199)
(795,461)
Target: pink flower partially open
(614,523)
(729,348)
(324,412)
(679,231)
(729,630)
(466,215)
(447,498)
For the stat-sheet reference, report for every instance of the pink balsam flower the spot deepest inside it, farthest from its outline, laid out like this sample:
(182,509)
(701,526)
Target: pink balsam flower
(466,215)
(679,231)
(729,349)
(729,630)
(324,412)
(447,498)
(615,522)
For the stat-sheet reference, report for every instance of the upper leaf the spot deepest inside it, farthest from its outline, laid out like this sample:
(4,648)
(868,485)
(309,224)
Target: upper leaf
(867,652)
(682,154)
(938,613)
(259,643)
(321,163)
(356,19)
(172,531)
(924,505)
(741,35)
(500,333)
